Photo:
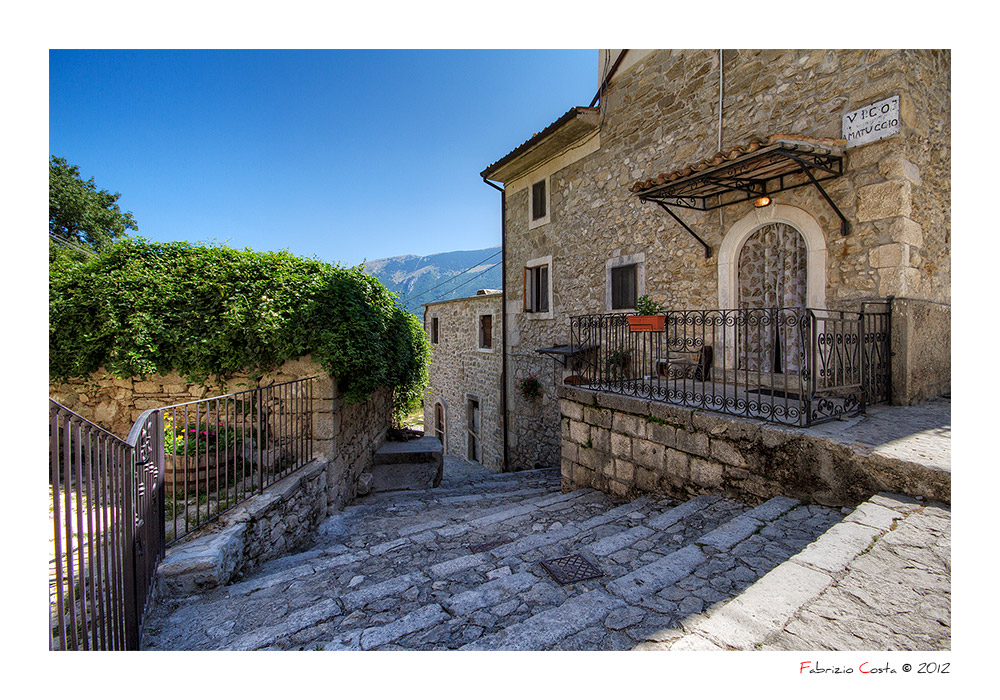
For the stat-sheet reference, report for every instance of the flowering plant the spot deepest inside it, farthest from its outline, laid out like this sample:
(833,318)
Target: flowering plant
(197,439)
(530,388)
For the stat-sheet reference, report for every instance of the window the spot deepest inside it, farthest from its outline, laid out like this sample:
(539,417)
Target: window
(626,280)
(486,332)
(539,211)
(623,287)
(536,289)
(538,201)
(434,330)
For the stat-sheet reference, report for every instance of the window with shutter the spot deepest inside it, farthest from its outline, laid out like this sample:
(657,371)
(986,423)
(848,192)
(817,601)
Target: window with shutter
(486,332)
(536,289)
(538,200)
(623,287)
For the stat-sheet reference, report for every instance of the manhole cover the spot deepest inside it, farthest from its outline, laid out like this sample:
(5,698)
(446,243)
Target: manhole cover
(485,546)
(571,569)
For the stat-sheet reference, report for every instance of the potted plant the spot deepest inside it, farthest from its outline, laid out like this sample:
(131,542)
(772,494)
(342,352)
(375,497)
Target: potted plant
(195,455)
(649,316)
(530,388)
(616,363)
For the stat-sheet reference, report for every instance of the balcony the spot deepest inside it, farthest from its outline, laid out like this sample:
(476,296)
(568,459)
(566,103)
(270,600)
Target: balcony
(790,366)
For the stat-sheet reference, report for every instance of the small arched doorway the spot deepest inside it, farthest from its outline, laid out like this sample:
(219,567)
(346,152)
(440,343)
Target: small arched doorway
(772,296)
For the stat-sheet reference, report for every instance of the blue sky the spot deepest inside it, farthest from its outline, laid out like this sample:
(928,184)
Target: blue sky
(345,155)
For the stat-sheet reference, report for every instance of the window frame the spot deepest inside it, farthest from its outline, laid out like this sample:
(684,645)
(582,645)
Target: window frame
(532,295)
(547,216)
(622,279)
(617,261)
(485,347)
(435,331)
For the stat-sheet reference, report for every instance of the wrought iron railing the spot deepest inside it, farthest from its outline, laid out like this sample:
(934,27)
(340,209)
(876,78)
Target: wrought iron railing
(221,451)
(106,512)
(116,503)
(783,365)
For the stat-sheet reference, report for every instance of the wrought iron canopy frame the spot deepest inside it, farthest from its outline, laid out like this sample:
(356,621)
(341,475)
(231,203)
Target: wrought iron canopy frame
(776,168)
(563,353)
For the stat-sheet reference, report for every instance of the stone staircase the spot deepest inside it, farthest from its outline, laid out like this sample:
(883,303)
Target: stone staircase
(459,567)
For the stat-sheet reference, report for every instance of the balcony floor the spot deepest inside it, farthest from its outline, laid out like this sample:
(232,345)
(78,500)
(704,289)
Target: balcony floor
(780,404)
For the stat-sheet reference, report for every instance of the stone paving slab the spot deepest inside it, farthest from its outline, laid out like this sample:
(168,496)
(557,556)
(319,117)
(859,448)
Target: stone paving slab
(871,582)
(363,640)
(549,627)
(635,586)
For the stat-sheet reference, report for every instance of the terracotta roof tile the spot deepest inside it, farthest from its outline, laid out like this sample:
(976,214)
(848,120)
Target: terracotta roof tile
(755,144)
(539,135)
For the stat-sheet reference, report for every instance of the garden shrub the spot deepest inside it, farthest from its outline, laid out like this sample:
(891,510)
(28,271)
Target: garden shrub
(211,311)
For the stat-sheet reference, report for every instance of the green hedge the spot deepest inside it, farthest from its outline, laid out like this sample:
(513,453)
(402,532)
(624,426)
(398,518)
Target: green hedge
(211,311)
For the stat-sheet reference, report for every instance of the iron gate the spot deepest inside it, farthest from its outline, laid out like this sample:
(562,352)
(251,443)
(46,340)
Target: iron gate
(107,530)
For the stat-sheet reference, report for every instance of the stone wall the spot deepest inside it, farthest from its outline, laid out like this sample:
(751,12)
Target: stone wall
(460,369)
(359,430)
(921,362)
(661,112)
(276,522)
(346,435)
(627,446)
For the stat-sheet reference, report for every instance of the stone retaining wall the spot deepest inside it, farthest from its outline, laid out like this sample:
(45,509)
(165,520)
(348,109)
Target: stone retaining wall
(276,522)
(627,446)
(359,430)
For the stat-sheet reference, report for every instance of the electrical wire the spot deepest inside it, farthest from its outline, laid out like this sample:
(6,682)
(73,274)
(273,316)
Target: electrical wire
(473,267)
(465,282)
(60,240)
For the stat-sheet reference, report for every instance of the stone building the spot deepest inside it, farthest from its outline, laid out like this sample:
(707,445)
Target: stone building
(642,193)
(463,397)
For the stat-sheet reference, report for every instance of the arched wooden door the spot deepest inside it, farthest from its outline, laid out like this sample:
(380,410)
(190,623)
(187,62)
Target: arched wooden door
(771,284)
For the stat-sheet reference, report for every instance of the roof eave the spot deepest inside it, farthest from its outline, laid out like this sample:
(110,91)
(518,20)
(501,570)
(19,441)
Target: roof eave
(569,129)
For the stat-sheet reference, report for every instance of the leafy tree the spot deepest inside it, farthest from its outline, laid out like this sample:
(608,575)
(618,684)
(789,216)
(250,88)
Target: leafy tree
(80,212)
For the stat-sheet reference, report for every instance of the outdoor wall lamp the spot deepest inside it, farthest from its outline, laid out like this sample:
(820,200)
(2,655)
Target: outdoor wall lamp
(762,201)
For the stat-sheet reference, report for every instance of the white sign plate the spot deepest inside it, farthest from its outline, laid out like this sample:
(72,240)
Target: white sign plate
(871,123)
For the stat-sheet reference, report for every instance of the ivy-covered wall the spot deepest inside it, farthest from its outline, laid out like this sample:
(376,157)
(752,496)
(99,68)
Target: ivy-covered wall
(213,312)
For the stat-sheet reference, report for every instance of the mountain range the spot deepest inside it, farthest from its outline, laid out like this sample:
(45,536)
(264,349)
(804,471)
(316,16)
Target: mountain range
(418,280)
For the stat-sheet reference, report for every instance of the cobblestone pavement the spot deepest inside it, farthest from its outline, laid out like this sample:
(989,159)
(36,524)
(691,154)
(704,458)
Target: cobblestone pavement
(458,567)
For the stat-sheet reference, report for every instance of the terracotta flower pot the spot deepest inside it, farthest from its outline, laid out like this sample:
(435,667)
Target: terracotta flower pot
(638,324)
(194,472)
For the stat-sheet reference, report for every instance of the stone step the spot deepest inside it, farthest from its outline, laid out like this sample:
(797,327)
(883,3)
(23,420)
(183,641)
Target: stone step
(414,465)
(309,563)
(425,449)
(548,626)
(458,605)
(404,573)
(764,609)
